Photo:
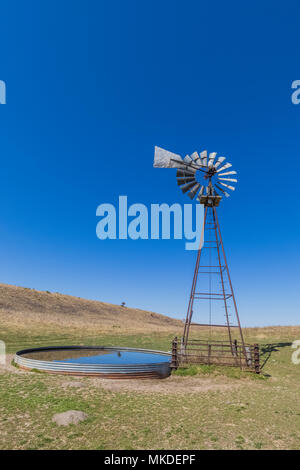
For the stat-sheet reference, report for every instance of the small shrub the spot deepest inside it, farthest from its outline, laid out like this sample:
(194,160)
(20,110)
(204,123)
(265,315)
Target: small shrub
(37,371)
(258,445)
(183,371)
(206,369)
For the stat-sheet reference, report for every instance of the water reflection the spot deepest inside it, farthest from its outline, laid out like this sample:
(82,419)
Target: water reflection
(96,356)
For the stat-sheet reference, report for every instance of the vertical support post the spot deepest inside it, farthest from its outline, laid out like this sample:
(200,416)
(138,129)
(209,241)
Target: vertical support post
(174,362)
(256,359)
(209,353)
(235,347)
(182,347)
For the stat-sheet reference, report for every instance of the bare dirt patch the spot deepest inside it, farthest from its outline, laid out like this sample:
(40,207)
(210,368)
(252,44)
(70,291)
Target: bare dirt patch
(171,385)
(74,384)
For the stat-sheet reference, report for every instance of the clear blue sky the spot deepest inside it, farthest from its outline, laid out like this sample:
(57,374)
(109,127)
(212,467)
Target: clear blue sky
(92,86)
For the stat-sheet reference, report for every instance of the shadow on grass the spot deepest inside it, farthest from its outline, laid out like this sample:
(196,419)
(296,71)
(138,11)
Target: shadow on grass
(266,351)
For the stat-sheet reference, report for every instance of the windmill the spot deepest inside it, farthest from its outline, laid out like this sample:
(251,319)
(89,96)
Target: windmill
(206,178)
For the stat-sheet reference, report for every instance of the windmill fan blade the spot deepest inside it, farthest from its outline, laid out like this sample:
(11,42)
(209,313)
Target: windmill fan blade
(233,180)
(200,193)
(227,165)
(184,174)
(188,159)
(228,186)
(184,165)
(181,181)
(201,190)
(194,191)
(190,164)
(203,156)
(188,186)
(228,173)
(212,156)
(219,161)
(196,158)
(165,159)
(224,192)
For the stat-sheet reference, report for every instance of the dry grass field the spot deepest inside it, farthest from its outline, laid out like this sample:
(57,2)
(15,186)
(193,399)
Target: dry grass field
(197,408)
(21,307)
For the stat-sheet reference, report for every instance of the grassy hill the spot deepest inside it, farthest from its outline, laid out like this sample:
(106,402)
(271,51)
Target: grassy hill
(31,317)
(31,306)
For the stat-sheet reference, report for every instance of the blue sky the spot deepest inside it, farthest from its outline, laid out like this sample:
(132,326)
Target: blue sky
(92,87)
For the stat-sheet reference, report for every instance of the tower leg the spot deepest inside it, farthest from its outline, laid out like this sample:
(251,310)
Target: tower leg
(194,283)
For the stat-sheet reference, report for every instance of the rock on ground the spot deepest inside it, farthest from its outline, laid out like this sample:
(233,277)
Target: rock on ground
(69,417)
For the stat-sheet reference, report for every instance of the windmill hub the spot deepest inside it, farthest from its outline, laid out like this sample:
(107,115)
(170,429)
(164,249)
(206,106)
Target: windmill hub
(211,172)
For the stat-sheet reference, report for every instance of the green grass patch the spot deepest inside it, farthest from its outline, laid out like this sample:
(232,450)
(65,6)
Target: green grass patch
(233,409)
(214,370)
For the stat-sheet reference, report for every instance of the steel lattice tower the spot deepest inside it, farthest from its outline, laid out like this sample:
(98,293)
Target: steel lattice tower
(206,178)
(218,269)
